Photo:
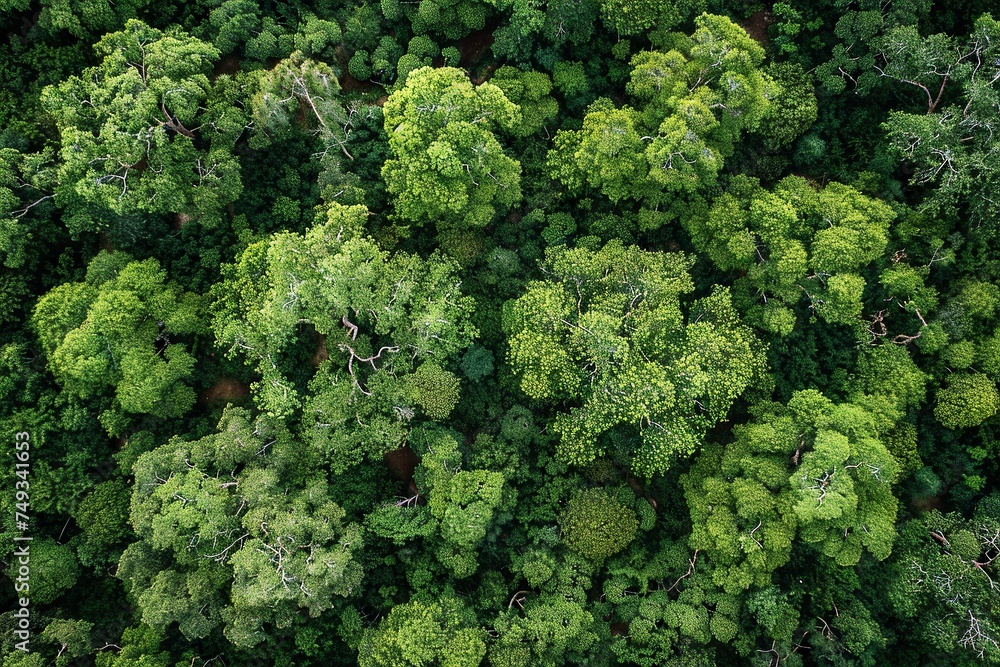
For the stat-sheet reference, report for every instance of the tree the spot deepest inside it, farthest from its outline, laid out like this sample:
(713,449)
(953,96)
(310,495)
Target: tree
(383,319)
(967,400)
(464,508)
(606,332)
(776,238)
(697,96)
(140,647)
(888,371)
(741,507)
(842,486)
(298,85)
(793,109)
(530,92)
(814,470)
(951,146)
(53,570)
(103,517)
(602,153)
(24,184)
(596,525)
(86,20)
(447,166)
(553,631)
(940,583)
(301,556)
(424,633)
(114,331)
(632,17)
(72,638)
(135,135)
(232,529)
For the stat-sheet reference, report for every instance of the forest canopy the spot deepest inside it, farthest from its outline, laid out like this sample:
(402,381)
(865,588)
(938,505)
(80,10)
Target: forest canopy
(499,333)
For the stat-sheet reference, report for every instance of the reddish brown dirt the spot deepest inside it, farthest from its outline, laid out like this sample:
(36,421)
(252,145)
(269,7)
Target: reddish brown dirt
(484,75)
(181,219)
(349,84)
(402,462)
(229,65)
(756,25)
(227,390)
(639,491)
(473,46)
(926,503)
(322,354)
(619,629)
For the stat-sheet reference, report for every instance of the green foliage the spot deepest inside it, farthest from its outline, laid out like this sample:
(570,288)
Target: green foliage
(530,91)
(596,525)
(630,17)
(794,109)
(793,243)
(606,331)
(813,470)
(140,647)
(280,543)
(113,331)
(126,138)
(390,325)
(297,85)
(697,98)
(500,333)
(103,517)
(424,633)
(72,638)
(53,570)
(447,166)
(967,400)
(939,584)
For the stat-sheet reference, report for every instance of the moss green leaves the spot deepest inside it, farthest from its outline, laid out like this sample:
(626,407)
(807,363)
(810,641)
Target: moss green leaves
(967,400)
(114,331)
(607,333)
(793,243)
(391,325)
(234,529)
(694,99)
(596,525)
(135,133)
(447,166)
(812,470)
(421,633)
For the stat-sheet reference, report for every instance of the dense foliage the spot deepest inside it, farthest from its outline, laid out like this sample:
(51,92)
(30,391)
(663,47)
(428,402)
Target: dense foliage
(501,333)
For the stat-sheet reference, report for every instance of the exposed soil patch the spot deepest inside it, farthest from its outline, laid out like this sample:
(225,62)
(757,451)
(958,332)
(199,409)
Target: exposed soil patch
(474,46)
(756,25)
(349,84)
(181,219)
(619,629)
(322,354)
(484,75)
(926,503)
(402,462)
(640,491)
(227,390)
(229,65)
